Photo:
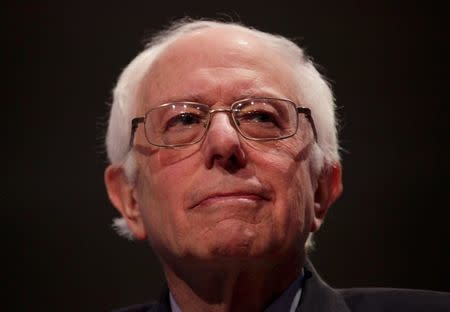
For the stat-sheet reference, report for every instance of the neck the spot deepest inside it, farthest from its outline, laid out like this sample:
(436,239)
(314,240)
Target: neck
(235,286)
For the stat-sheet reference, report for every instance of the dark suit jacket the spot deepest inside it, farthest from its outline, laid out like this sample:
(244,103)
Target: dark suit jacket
(317,296)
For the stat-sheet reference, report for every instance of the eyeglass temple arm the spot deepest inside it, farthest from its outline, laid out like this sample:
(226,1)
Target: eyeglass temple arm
(308,115)
(134,124)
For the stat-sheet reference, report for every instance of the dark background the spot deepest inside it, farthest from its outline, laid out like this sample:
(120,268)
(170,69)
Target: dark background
(388,64)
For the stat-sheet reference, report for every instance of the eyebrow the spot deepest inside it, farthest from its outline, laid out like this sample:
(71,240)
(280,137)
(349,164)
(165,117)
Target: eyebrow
(244,94)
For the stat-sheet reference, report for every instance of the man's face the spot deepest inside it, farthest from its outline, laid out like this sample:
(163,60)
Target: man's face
(225,197)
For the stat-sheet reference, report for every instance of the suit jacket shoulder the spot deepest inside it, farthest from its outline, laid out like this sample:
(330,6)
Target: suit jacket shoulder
(317,296)
(392,299)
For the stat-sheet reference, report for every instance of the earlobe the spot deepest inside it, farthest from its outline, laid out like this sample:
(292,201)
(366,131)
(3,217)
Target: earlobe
(329,188)
(122,195)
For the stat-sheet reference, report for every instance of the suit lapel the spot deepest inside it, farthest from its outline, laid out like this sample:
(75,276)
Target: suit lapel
(317,296)
(163,303)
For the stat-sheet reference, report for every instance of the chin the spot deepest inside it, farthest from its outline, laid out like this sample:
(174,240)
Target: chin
(239,242)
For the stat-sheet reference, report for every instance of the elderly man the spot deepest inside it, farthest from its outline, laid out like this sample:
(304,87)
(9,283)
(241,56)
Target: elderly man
(224,156)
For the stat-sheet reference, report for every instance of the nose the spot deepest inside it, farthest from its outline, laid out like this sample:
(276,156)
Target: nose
(222,144)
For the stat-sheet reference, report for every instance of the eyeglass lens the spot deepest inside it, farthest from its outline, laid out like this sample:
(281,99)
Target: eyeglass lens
(185,123)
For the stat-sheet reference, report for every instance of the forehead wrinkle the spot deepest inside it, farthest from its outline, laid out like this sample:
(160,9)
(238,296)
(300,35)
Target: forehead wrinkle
(215,89)
(222,72)
(208,86)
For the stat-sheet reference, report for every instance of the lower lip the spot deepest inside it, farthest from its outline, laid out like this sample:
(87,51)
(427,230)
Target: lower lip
(230,200)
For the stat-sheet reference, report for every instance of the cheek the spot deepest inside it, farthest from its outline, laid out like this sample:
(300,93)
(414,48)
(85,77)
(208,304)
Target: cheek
(169,172)
(150,199)
(301,193)
(161,195)
(295,207)
(281,167)
(290,181)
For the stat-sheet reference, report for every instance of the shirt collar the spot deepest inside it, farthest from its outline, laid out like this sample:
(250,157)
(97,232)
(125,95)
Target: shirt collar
(289,299)
(173,304)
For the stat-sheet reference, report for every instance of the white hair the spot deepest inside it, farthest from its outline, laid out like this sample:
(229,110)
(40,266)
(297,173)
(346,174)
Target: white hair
(313,92)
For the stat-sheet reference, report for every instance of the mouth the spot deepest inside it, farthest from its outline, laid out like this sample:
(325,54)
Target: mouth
(230,198)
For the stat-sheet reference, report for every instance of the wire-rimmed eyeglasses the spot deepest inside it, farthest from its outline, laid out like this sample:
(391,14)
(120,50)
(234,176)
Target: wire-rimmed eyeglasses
(181,124)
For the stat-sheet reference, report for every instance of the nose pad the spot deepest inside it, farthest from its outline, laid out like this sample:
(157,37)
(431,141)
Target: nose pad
(222,144)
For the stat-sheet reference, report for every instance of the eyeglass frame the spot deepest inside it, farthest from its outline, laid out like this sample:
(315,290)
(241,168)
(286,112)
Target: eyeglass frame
(299,109)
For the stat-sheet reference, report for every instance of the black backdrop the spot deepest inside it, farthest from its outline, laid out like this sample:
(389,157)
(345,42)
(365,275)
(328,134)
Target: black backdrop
(388,64)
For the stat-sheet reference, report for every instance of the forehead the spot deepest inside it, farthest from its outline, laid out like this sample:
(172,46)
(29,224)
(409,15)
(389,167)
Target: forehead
(220,63)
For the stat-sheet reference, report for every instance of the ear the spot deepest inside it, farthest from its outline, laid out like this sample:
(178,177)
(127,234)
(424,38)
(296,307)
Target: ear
(329,188)
(122,194)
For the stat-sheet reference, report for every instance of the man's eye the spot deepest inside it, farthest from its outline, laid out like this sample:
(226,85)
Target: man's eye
(183,120)
(258,117)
